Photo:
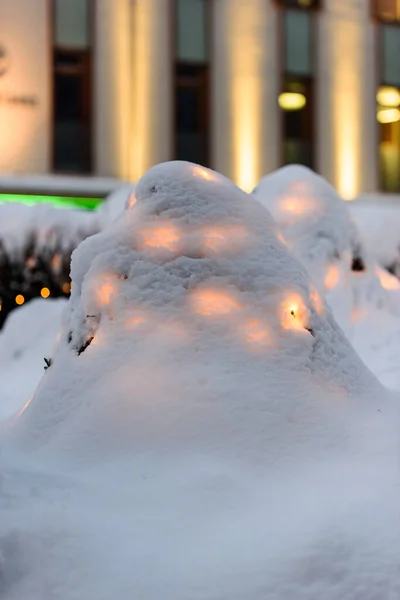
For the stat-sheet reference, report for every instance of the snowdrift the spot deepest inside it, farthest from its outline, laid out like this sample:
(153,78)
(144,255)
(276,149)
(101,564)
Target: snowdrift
(205,430)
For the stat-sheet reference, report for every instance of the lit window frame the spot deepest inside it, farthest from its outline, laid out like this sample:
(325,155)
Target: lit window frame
(284,75)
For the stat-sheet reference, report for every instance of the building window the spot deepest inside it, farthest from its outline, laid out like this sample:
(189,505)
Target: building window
(72,96)
(297,88)
(192,81)
(387,10)
(388,104)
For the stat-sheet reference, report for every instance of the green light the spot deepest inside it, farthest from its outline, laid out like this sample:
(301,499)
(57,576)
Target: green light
(57,201)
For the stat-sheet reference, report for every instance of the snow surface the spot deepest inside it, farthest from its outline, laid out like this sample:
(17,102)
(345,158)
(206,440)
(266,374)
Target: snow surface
(51,228)
(193,438)
(116,203)
(29,336)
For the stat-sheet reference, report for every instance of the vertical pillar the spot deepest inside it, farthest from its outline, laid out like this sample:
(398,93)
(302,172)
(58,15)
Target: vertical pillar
(347,132)
(151,100)
(112,85)
(25,86)
(244,90)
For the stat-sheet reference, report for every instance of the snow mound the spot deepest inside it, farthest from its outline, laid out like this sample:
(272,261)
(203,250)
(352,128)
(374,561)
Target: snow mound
(319,228)
(312,217)
(237,446)
(193,270)
(116,203)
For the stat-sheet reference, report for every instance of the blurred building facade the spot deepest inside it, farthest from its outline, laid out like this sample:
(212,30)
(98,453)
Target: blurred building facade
(111,87)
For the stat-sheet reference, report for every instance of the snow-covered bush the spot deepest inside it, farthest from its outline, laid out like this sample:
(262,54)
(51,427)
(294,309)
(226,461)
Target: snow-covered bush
(318,226)
(36,244)
(207,430)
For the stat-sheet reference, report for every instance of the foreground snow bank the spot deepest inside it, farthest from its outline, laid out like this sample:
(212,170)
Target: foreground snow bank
(29,335)
(206,430)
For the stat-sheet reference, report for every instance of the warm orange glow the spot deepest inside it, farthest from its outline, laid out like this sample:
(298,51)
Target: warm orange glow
(332,277)
(66,287)
(24,407)
(296,205)
(56,262)
(256,332)
(219,239)
(317,301)
(107,291)
(132,200)
(45,292)
(209,302)
(133,320)
(203,173)
(160,236)
(294,313)
(388,281)
(31,262)
(19,299)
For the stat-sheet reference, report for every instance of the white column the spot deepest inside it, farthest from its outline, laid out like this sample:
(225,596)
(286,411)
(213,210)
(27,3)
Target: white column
(347,132)
(25,86)
(151,101)
(112,86)
(245,119)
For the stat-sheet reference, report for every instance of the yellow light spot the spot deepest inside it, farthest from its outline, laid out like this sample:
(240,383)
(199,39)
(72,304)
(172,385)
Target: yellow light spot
(388,281)
(388,96)
(56,262)
(209,302)
(133,320)
(204,173)
(332,277)
(160,236)
(388,115)
(66,287)
(296,205)
(292,101)
(45,292)
(316,301)
(219,239)
(294,313)
(107,290)
(132,200)
(31,262)
(19,299)
(281,238)
(256,332)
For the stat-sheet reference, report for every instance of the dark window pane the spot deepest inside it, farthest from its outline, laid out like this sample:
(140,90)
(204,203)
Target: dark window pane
(71,125)
(297,123)
(298,42)
(191,117)
(391,54)
(191,24)
(304,4)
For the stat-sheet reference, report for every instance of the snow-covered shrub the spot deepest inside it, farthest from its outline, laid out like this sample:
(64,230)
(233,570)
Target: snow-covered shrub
(318,226)
(207,429)
(228,441)
(36,244)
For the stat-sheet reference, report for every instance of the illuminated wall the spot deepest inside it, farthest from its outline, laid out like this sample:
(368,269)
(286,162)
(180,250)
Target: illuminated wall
(112,81)
(151,95)
(24,86)
(346,97)
(244,88)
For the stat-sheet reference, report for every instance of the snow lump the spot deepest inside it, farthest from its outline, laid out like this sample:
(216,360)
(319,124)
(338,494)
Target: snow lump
(205,429)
